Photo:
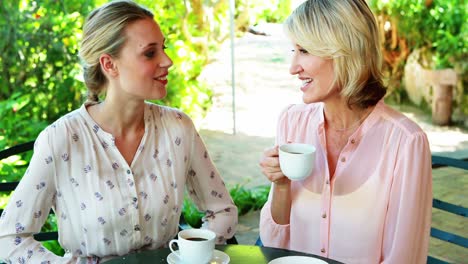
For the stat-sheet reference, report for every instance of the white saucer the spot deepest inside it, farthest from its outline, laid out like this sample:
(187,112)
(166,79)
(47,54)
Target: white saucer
(219,257)
(297,260)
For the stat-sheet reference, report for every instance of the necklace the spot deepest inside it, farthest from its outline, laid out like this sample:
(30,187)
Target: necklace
(351,126)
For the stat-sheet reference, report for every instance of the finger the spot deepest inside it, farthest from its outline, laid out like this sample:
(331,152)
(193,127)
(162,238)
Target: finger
(274,177)
(270,162)
(271,152)
(271,169)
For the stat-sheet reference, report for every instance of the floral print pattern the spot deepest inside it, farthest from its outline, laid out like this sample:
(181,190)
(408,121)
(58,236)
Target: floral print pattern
(105,206)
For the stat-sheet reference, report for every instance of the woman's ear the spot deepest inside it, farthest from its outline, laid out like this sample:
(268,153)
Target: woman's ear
(107,65)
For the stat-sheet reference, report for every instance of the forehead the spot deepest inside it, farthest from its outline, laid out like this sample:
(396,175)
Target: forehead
(142,32)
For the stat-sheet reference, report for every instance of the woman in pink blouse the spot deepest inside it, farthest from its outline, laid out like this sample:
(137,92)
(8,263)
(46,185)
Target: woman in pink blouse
(368,199)
(115,171)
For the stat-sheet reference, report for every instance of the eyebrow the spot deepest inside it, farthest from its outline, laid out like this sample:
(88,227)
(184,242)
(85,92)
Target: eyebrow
(153,44)
(150,45)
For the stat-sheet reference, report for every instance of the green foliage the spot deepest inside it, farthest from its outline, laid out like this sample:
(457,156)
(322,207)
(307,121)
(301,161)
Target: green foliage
(245,199)
(192,215)
(276,13)
(436,26)
(257,11)
(38,66)
(54,247)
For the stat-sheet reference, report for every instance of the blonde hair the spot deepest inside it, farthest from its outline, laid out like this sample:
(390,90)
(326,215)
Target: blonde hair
(103,33)
(345,31)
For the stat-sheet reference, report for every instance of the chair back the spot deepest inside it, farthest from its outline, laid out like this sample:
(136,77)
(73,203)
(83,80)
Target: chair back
(10,186)
(452,209)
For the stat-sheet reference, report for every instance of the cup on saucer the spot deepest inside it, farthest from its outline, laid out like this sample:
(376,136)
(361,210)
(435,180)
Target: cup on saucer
(195,246)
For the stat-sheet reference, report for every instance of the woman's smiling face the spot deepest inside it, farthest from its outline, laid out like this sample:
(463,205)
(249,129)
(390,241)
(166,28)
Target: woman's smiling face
(316,73)
(143,63)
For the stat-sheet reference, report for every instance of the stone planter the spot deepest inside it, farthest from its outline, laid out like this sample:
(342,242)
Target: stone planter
(432,86)
(442,83)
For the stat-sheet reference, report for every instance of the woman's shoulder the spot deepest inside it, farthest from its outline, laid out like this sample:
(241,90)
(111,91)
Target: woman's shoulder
(298,110)
(399,120)
(65,121)
(168,114)
(59,132)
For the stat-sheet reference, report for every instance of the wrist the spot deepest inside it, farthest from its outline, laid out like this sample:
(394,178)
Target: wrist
(283,183)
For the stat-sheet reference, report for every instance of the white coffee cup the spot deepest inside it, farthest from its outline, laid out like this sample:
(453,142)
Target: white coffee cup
(195,245)
(297,160)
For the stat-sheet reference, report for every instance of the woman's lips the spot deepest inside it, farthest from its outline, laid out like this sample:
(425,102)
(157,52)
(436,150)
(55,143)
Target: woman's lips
(305,84)
(162,79)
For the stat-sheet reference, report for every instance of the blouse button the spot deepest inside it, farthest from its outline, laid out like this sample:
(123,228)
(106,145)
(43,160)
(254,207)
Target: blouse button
(137,228)
(135,199)
(322,250)
(353,141)
(128,171)
(327,182)
(324,215)
(343,159)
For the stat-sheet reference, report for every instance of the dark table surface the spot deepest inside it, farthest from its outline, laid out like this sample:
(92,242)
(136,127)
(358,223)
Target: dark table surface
(239,254)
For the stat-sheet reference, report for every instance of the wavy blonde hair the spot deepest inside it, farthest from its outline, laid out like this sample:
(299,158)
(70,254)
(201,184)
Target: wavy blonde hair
(103,33)
(345,31)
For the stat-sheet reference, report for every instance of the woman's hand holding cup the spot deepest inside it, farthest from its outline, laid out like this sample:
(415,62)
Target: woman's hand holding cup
(271,167)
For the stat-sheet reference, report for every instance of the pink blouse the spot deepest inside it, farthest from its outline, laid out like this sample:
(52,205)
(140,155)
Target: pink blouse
(377,207)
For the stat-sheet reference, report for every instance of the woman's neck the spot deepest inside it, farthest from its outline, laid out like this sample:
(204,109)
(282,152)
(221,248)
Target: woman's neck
(341,118)
(119,118)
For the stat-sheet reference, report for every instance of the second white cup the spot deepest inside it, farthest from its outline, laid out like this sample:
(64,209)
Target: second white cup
(195,245)
(297,160)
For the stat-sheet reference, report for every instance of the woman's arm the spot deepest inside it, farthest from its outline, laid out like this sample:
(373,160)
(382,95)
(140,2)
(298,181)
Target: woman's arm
(275,215)
(206,188)
(28,209)
(281,188)
(408,221)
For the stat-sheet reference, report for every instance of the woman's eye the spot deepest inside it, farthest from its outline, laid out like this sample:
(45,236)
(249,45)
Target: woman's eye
(149,54)
(303,51)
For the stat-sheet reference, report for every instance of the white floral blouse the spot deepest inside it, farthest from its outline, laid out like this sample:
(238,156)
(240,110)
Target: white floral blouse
(104,206)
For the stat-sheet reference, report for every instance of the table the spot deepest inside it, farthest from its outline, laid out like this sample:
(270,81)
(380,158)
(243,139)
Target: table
(239,254)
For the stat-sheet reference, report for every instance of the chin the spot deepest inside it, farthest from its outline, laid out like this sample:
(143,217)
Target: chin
(160,97)
(307,99)
(160,94)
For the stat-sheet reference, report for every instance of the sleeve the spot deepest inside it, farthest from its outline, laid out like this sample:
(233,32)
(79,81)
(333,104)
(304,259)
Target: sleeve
(207,190)
(28,208)
(408,221)
(271,233)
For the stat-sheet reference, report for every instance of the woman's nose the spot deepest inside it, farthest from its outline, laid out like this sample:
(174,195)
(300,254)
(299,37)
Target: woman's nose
(294,68)
(166,61)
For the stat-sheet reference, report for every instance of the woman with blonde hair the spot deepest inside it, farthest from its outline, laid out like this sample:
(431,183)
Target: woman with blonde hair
(369,197)
(114,171)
